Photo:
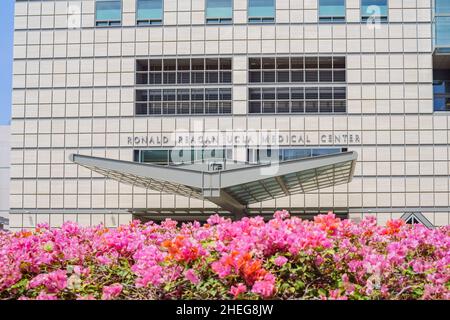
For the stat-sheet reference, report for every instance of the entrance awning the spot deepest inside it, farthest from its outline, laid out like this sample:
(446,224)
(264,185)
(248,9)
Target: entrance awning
(232,186)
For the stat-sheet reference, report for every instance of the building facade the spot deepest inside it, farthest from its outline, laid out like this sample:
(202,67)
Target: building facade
(130,80)
(4,176)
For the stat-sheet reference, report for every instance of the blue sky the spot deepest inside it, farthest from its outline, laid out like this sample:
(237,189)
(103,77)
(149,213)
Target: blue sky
(6,43)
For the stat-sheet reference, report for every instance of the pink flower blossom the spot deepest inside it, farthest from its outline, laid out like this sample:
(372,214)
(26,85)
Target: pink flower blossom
(238,289)
(111,292)
(280,261)
(192,276)
(54,281)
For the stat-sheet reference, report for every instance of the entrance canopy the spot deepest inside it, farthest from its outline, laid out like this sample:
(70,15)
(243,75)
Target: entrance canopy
(230,185)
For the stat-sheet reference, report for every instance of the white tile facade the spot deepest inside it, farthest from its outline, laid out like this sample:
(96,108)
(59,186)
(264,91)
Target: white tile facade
(74,93)
(4,174)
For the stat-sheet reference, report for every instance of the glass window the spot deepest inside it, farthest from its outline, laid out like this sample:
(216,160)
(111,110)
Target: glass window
(108,12)
(442,7)
(261,11)
(149,12)
(219,11)
(376,9)
(441,90)
(442,30)
(332,10)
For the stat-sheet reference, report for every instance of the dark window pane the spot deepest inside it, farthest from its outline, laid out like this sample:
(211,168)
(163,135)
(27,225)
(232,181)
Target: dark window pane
(311,76)
(155,108)
(141,109)
(212,77)
(340,106)
(155,156)
(297,76)
(170,77)
(225,77)
(170,65)
(141,65)
(268,106)
(297,106)
(255,63)
(325,63)
(224,94)
(297,63)
(325,76)
(142,78)
(339,62)
(212,108)
(183,95)
(269,76)
(198,94)
(283,107)
(255,107)
(183,107)
(283,94)
(169,95)
(226,107)
(169,107)
(154,95)
(297,94)
(311,63)
(255,94)
(225,64)
(198,107)
(268,94)
(312,106)
(183,77)
(282,63)
(283,76)
(212,94)
(184,64)
(311,93)
(340,93)
(198,64)
(198,77)
(142,95)
(326,93)
(212,64)
(268,63)
(155,78)
(255,76)
(156,65)
(339,76)
(326,106)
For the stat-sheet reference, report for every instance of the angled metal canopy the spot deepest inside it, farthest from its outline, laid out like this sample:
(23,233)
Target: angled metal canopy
(236,185)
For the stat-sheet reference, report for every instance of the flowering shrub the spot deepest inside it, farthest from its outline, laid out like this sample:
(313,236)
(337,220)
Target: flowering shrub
(284,258)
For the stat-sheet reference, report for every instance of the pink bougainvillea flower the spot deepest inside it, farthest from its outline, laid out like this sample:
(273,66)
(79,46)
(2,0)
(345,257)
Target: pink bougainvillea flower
(112,291)
(192,276)
(280,261)
(237,290)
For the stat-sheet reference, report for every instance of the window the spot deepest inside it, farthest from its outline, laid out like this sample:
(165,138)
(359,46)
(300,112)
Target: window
(149,12)
(261,11)
(442,7)
(441,90)
(297,69)
(183,71)
(281,100)
(181,156)
(413,218)
(286,154)
(183,101)
(219,11)
(331,10)
(374,9)
(442,26)
(108,12)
